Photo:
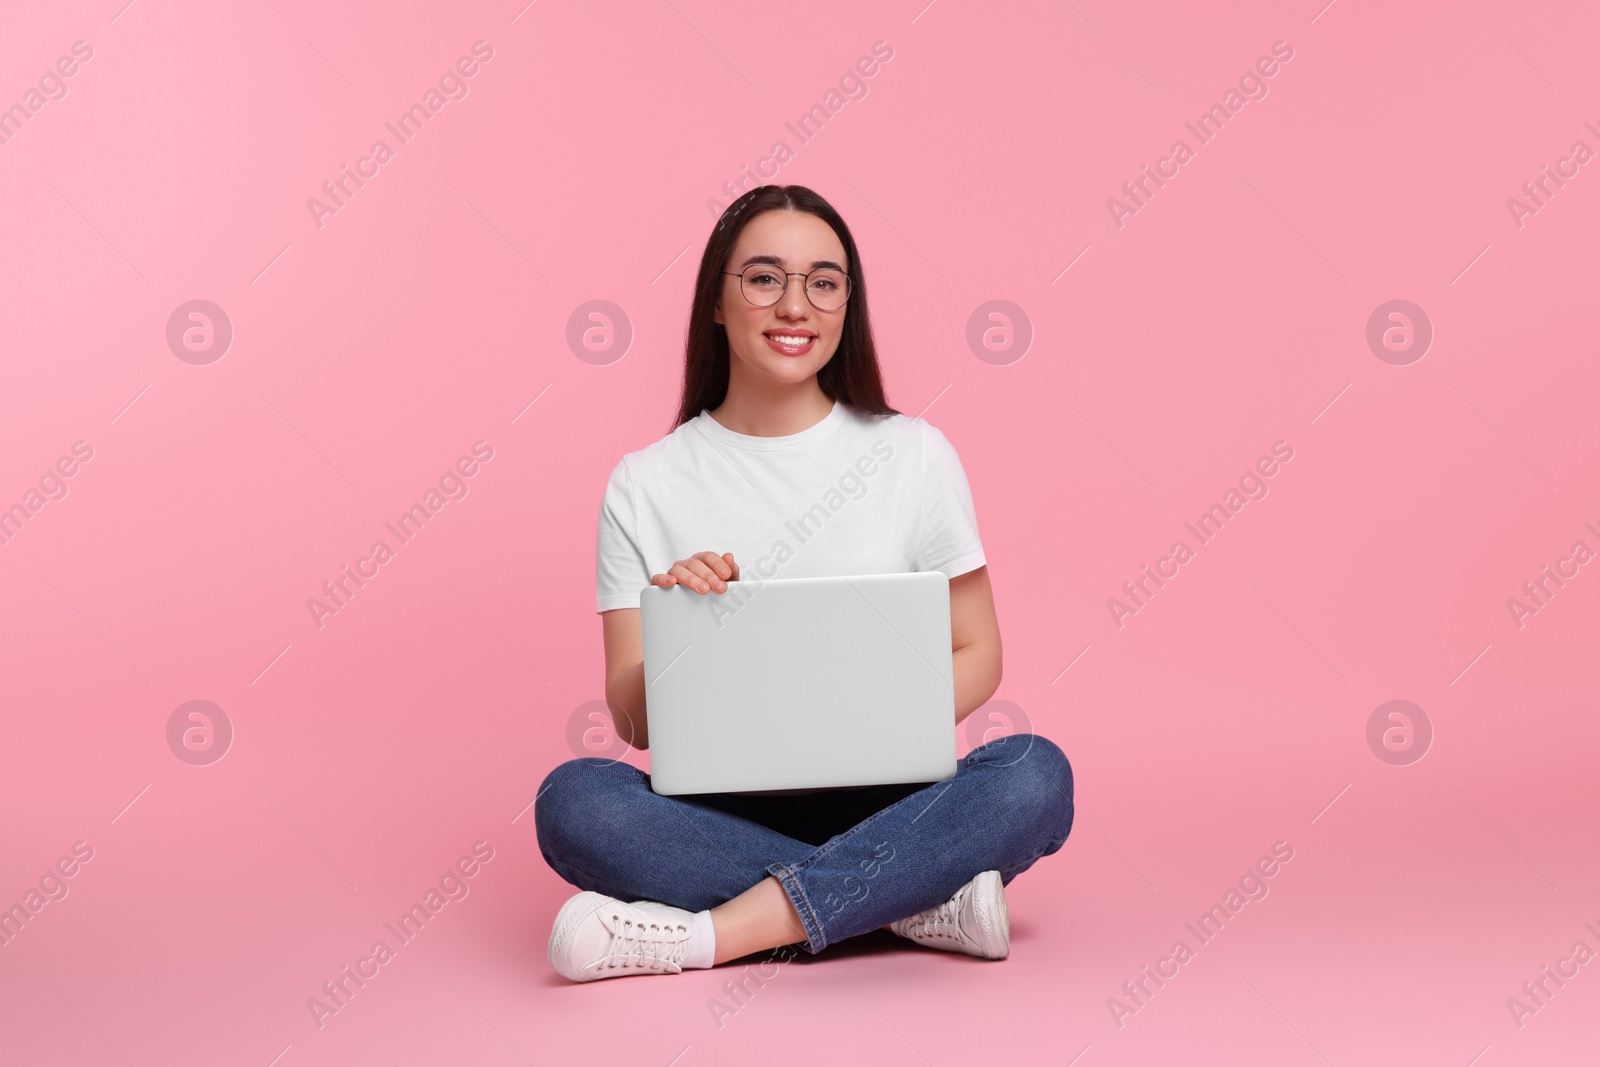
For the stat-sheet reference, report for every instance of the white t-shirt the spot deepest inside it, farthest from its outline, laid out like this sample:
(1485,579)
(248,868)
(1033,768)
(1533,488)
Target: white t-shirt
(853,494)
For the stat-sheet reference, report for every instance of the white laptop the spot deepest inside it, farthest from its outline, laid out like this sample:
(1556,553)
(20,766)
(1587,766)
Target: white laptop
(799,683)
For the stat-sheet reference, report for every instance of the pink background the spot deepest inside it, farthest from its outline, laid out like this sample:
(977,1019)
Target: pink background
(432,309)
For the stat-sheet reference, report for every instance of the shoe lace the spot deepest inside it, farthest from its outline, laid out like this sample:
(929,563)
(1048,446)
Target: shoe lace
(943,920)
(648,945)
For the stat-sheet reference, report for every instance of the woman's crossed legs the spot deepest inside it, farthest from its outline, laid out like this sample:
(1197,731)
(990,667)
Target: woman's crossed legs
(602,828)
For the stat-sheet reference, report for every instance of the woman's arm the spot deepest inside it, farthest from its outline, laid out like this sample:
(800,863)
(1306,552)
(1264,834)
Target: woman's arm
(625,675)
(974,640)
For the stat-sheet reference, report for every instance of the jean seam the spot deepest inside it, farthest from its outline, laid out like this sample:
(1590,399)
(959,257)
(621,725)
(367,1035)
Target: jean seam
(816,937)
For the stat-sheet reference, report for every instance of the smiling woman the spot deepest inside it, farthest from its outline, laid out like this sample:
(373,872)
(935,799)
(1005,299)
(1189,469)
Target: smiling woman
(782,392)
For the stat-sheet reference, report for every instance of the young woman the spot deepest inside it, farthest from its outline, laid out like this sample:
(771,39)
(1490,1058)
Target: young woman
(786,460)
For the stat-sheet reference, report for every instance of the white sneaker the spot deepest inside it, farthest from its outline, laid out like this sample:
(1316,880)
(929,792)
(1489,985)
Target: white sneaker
(973,921)
(596,936)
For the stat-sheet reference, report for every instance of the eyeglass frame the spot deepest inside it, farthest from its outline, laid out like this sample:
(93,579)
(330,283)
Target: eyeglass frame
(849,287)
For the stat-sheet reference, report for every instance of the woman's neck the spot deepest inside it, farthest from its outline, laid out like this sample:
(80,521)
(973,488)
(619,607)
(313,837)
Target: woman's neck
(776,412)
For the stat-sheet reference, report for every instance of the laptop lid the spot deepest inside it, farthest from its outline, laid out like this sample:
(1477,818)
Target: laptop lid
(794,683)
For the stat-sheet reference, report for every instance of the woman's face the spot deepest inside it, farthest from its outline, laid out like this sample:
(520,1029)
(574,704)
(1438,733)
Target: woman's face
(797,242)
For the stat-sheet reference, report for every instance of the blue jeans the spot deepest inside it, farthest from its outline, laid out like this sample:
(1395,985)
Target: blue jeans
(850,860)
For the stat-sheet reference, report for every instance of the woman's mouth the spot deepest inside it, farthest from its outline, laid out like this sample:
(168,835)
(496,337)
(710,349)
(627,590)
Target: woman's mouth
(790,344)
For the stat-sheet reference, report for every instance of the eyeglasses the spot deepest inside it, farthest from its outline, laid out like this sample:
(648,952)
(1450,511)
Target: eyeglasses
(764,285)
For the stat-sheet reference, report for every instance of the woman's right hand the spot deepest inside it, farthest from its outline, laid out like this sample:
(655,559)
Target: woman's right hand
(701,572)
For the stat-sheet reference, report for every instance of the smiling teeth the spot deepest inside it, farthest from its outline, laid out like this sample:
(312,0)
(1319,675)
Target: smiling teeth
(792,342)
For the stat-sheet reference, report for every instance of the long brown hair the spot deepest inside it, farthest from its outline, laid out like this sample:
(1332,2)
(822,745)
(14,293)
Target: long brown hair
(851,376)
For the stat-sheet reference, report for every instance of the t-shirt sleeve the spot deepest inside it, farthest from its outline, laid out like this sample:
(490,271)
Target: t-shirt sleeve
(949,539)
(620,569)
